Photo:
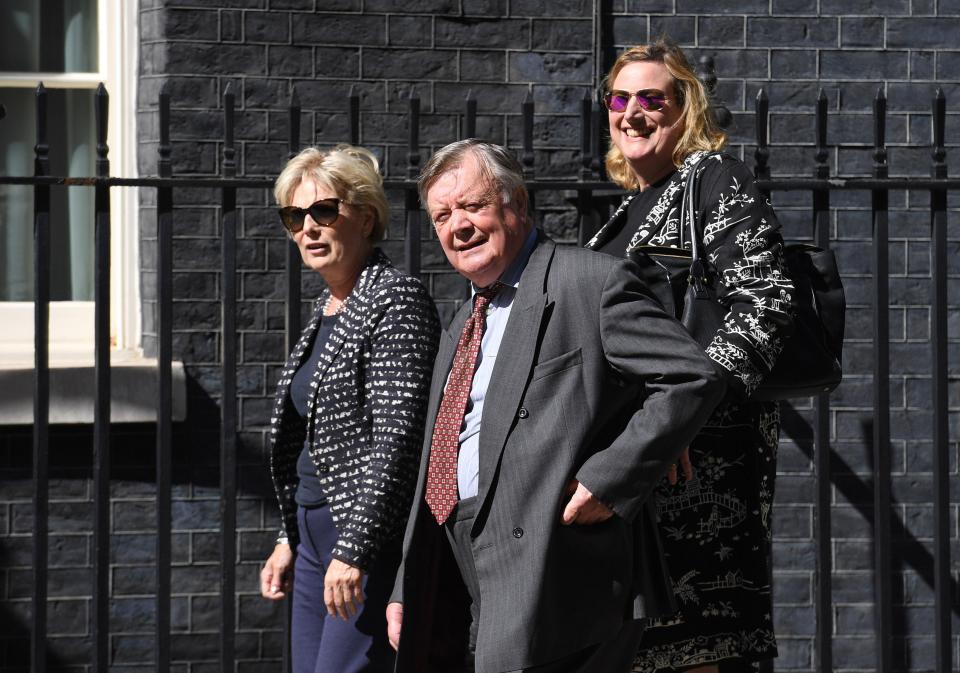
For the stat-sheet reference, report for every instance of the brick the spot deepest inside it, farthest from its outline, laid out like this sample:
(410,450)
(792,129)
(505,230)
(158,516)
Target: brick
(707,7)
(807,32)
(464,32)
(482,65)
(778,7)
(270,26)
(484,7)
(412,6)
(220,59)
(680,29)
(558,8)
(645,6)
(867,7)
(290,61)
(132,615)
(407,63)
(914,33)
(860,31)
(563,35)
(723,31)
(629,30)
(793,64)
(410,31)
(889,64)
(334,29)
(556,68)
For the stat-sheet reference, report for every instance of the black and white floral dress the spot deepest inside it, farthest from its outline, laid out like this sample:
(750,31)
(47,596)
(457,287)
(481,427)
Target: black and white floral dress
(716,528)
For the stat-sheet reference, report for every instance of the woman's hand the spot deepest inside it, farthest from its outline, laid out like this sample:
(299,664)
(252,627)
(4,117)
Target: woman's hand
(277,573)
(685,465)
(342,589)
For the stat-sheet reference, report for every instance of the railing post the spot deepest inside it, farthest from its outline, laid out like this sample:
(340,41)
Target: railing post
(941,427)
(821,428)
(41,387)
(293,262)
(101,414)
(470,117)
(411,248)
(354,102)
(164,385)
(762,153)
(228,436)
(587,225)
(883,594)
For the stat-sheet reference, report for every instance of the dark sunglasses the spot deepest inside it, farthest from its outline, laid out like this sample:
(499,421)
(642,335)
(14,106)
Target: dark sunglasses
(650,100)
(324,212)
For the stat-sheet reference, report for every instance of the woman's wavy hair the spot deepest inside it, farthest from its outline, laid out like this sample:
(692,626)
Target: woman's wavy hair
(352,172)
(700,128)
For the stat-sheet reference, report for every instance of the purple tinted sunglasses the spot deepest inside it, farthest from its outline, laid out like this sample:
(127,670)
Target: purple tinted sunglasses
(650,100)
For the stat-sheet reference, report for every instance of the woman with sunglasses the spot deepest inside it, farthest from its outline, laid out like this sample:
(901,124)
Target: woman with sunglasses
(714,522)
(347,426)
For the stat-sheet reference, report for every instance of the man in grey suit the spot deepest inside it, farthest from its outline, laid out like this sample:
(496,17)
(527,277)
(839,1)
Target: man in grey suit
(560,396)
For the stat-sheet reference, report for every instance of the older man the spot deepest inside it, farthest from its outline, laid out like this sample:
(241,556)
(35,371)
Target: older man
(560,396)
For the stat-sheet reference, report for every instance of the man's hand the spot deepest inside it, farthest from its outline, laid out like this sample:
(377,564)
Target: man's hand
(685,465)
(342,589)
(394,622)
(583,508)
(276,573)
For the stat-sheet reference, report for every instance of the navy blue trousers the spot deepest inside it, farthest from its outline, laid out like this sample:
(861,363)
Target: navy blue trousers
(321,643)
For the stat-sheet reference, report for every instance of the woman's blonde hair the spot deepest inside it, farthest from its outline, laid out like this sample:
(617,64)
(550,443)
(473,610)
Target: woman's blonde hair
(352,172)
(700,129)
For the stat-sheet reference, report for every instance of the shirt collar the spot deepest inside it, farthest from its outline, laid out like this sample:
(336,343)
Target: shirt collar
(511,277)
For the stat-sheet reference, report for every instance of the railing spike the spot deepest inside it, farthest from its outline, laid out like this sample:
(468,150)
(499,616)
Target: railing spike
(821,121)
(470,118)
(939,114)
(762,153)
(880,128)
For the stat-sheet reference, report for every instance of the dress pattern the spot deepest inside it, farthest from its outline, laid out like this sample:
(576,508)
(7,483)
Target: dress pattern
(715,529)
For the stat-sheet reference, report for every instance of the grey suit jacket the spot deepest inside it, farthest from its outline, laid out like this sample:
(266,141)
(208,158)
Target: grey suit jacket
(593,381)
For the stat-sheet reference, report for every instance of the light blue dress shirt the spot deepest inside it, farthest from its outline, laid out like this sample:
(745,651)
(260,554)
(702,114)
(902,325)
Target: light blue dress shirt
(498,312)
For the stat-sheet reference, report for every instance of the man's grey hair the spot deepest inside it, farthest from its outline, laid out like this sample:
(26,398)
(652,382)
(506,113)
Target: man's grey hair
(497,166)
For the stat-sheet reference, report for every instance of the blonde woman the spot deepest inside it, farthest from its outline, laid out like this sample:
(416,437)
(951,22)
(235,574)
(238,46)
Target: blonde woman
(348,418)
(715,521)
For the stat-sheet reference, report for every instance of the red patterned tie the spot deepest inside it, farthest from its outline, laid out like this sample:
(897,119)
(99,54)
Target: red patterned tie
(441,489)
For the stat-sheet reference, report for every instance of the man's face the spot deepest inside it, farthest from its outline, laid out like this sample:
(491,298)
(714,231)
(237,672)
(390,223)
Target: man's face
(478,232)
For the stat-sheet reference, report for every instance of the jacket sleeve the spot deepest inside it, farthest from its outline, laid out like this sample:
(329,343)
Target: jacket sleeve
(403,346)
(741,237)
(643,344)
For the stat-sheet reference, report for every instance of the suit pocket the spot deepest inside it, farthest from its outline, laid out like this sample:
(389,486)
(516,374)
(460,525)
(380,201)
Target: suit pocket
(557,364)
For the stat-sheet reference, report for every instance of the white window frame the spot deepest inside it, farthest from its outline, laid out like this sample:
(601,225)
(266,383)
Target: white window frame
(71,334)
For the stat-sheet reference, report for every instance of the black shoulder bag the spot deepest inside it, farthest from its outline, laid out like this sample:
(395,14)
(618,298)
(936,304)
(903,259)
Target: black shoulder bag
(687,286)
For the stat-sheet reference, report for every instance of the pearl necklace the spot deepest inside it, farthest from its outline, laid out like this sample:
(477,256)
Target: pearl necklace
(326,306)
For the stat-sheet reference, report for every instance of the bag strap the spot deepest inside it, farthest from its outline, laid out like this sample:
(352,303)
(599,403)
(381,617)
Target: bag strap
(688,222)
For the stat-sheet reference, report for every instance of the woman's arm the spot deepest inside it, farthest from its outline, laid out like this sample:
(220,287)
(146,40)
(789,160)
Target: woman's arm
(741,236)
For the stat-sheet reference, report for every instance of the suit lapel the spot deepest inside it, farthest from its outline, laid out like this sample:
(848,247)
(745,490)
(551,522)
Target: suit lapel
(515,358)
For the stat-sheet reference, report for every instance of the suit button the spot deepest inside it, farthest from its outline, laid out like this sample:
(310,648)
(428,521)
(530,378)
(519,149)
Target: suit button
(518,532)
(323,468)
(523,413)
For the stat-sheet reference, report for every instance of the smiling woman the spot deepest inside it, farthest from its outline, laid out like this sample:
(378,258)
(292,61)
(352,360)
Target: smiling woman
(714,524)
(348,416)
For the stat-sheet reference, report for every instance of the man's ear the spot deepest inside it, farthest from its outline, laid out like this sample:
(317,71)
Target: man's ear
(520,202)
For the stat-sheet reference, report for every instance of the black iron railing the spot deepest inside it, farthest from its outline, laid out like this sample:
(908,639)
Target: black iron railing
(593,194)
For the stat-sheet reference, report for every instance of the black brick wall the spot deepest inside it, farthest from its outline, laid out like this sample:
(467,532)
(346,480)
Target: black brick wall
(499,50)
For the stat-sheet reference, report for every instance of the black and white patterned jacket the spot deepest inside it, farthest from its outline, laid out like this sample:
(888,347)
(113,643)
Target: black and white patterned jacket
(741,237)
(365,410)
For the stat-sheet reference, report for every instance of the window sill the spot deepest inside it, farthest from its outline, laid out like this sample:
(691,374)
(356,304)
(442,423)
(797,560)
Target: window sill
(133,395)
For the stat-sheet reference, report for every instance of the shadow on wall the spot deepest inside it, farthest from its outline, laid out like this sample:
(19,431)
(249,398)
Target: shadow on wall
(907,552)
